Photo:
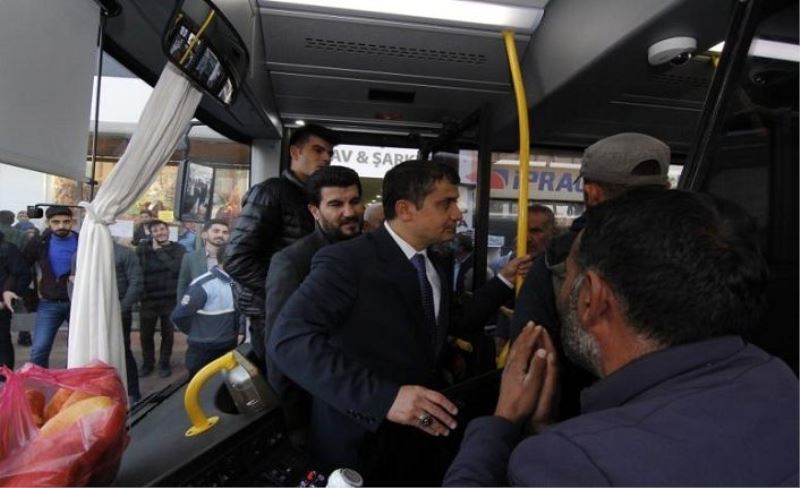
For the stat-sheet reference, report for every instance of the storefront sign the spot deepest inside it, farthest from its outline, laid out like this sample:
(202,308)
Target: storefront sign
(544,184)
(371,161)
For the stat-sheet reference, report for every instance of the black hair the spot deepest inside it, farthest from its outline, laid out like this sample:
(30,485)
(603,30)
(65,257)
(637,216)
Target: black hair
(327,176)
(413,180)
(207,225)
(155,222)
(685,266)
(301,135)
(6,217)
(54,210)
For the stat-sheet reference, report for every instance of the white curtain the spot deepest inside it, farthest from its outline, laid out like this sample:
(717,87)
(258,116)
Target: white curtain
(95,328)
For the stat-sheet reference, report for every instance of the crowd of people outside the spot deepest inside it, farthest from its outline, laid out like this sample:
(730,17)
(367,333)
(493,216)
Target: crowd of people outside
(627,362)
(37,272)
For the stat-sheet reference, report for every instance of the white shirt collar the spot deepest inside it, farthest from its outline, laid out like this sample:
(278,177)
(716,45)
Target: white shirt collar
(407,248)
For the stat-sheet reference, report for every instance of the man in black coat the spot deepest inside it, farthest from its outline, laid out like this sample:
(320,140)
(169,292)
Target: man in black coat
(274,215)
(14,279)
(160,260)
(365,331)
(337,209)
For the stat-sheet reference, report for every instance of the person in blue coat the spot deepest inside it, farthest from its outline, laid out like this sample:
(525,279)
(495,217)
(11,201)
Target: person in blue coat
(659,289)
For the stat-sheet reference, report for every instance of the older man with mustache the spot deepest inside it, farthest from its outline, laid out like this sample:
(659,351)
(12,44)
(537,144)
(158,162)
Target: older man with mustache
(660,287)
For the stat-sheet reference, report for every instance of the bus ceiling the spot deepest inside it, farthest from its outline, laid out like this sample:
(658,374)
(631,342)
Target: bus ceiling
(585,66)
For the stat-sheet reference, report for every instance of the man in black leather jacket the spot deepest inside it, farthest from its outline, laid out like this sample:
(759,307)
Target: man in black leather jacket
(274,214)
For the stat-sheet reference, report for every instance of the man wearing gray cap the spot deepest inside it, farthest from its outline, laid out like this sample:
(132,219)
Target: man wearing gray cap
(609,168)
(658,313)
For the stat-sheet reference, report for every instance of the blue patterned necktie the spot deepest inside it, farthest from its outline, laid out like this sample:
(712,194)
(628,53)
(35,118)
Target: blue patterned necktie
(427,296)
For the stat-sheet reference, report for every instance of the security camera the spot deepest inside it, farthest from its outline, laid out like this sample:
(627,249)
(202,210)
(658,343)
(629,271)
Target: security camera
(675,50)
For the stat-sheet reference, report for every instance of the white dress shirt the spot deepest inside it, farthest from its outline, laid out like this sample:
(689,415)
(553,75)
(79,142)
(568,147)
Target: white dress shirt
(430,270)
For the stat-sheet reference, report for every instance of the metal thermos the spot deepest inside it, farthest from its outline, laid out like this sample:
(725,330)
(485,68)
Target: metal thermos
(247,386)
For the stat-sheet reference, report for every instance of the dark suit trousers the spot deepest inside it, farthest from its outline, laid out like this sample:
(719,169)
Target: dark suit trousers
(130,363)
(257,339)
(6,346)
(149,314)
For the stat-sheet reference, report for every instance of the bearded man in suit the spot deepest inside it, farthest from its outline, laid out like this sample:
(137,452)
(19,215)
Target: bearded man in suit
(335,193)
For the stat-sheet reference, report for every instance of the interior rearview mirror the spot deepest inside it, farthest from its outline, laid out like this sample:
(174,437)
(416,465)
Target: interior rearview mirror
(203,44)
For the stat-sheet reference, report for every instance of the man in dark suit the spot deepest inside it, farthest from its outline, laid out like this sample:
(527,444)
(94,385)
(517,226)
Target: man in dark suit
(337,209)
(365,331)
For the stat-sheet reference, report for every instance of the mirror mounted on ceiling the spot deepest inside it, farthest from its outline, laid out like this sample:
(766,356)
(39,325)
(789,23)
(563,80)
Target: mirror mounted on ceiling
(202,43)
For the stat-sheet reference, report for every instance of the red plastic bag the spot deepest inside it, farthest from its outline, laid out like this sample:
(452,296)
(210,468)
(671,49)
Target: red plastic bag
(84,452)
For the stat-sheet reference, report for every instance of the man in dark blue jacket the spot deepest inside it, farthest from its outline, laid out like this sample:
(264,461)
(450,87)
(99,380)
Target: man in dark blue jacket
(659,288)
(207,315)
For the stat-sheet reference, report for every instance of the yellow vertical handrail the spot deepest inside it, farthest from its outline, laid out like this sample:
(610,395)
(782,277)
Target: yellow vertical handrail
(524,163)
(524,146)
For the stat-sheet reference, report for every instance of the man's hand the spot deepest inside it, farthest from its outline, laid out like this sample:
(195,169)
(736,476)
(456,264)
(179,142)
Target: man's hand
(8,296)
(414,404)
(530,379)
(517,266)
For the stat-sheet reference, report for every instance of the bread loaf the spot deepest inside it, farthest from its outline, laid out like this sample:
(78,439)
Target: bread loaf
(76,396)
(56,402)
(72,413)
(36,401)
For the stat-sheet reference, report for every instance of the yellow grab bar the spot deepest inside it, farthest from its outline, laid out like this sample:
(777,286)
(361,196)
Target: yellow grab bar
(524,147)
(201,423)
(524,162)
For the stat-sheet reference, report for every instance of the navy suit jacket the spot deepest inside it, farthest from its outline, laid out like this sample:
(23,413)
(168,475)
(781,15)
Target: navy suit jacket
(354,332)
(287,269)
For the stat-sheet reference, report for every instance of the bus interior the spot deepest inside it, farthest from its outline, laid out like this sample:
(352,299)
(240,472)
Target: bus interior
(442,87)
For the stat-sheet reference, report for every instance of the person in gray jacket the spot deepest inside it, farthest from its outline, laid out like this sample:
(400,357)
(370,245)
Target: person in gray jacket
(198,262)
(129,286)
(207,315)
